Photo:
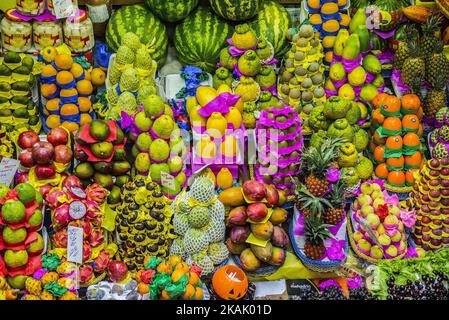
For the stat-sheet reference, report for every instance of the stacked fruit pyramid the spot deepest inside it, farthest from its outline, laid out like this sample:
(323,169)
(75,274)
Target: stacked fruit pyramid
(255,219)
(72,205)
(250,61)
(99,148)
(130,78)
(142,223)
(379,223)
(21,244)
(17,109)
(54,281)
(396,140)
(158,145)
(327,19)
(169,279)
(199,223)
(279,146)
(301,84)
(439,137)
(430,198)
(352,75)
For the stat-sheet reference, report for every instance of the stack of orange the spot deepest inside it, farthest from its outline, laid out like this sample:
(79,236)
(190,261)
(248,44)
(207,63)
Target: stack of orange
(397,139)
(67,88)
(180,274)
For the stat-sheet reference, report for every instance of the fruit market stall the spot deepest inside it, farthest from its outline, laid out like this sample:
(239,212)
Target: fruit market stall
(224,150)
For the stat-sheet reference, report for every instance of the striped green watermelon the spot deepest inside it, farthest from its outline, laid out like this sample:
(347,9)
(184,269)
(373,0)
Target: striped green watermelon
(144,24)
(273,22)
(200,38)
(171,10)
(236,10)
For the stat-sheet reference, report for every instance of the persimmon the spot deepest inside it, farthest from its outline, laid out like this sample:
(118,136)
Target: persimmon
(69,109)
(48,71)
(71,126)
(414,161)
(396,163)
(411,140)
(392,104)
(53,121)
(63,61)
(409,178)
(410,103)
(392,124)
(396,178)
(379,154)
(378,117)
(48,89)
(378,101)
(377,139)
(382,171)
(85,118)
(76,70)
(52,105)
(84,104)
(394,143)
(64,77)
(84,87)
(410,122)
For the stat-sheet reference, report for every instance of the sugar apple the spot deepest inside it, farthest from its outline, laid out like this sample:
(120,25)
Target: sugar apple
(127,102)
(132,41)
(199,217)
(143,60)
(114,74)
(217,252)
(177,248)
(125,55)
(202,190)
(216,231)
(204,262)
(195,240)
(217,212)
(364,168)
(129,80)
(180,223)
(112,96)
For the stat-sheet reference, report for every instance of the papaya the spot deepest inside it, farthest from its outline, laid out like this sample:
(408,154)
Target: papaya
(340,41)
(418,13)
(359,19)
(352,47)
(364,38)
(232,197)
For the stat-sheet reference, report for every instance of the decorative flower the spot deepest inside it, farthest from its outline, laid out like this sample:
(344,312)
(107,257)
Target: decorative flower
(335,249)
(382,212)
(391,200)
(408,218)
(355,282)
(333,175)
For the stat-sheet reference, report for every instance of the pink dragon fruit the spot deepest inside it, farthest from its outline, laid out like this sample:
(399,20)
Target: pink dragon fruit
(96,193)
(101,262)
(87,251)
(86,273)
(71,181)
(96,238)
(60,239)
(53,198)
(93,209)
(61,216)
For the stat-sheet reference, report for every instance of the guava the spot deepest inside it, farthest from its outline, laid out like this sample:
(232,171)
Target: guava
(13,212)
(26,192)
(159,150)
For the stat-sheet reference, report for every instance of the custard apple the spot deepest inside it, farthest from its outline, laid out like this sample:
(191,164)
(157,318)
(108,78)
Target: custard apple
(132,41)
(203,190)
(125,55)
(217,252)
(204,262)
(195,240)
(129,80)
(199,217)
(180,223)
(127,102)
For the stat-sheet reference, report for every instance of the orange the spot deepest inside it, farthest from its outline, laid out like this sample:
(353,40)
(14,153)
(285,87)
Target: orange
(411,103)
(394,143)
(396,177)
(382,171)
(84,87)
(71,126)
(176,275)
(189,293)
(69,109)
(76,70)
(48,89)
(87,75)
(411,122)
(64,77)
(198,293)
(345,19)
(98,77)
(411,139)
(392,123)
(174,260)
(143,288)
(193,278)
(68,93)
(84,104)
(85,118)
(52,105)
(414,160)
(164,295)
(396,163)
(377,139)
(63,61)
(182,266)
(378,117)
(379,154)
(48,71)
(53,121)
(379,100)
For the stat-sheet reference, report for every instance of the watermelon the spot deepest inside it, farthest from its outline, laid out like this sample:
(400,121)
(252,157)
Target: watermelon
(200,37)
(273,22)
(144,24)
(171,10)
(236,10)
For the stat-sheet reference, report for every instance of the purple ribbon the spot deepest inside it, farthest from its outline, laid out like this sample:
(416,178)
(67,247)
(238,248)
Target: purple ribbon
(411,253)
(237,52)
(385,35)
(330,93)
(385,56)
(271,61)
(39,274)
(350,65)
(339,83)
(272,90)
(221,104)
(355,282)
(329,283)
(396,78)
(333,175)
(335,250)
(369,77)
(299,228)
(46,16)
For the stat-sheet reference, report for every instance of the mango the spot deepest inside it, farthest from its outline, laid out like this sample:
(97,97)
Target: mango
(371,64)
(263,253)
(249,260)
(237,216)
(277,257)
(262,231)
(232,197)
(357,77)
(235,248)
(278,216)
(337,72)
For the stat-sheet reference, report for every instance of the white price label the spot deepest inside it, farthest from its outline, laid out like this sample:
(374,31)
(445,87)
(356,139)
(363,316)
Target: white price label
(64,8)
(8,168)
(167,180)
(75,244)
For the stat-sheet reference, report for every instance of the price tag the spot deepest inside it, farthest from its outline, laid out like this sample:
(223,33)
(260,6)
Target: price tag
(8,168)
(64,8)
(75,244)
(167,180)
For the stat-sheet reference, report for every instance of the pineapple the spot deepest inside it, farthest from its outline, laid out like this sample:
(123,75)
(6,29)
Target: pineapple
(414,68)
(429,29)
(308,204)
(437,63)
(403,52)
(315,234)
(335,213)
(436,98)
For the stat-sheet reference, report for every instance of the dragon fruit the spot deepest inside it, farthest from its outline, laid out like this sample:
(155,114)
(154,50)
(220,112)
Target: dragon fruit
(93,209)
(87,251)
(96,238)
(53,198)
(71,181)
(96,193)
(61,217)
(101,262)
(60,239)
(86,273)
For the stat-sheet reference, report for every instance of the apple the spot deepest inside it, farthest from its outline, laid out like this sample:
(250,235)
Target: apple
(117,270)
(43,152)
(26,158)
(58,136)
(63,154)
(27,139)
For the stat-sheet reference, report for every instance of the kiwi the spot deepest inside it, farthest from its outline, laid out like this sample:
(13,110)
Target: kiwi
(307,96)
(317,78)
(300,71)
(318,92)
(300,56)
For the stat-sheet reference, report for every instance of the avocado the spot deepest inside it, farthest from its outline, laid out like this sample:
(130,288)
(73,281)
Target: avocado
(120,181)
(103,167)
(34,119)
(5,113)
(120,136)
(5,87)
(31,105)
(28,62)
(120,167)
(104,180)
(99,130)
(21,112)
(21,86)
(102,150)
(32,79)
(5,71)
(23,100)
(22,70)
(119,155)
(114,195)
(12,57)
(3,100)
(84,170)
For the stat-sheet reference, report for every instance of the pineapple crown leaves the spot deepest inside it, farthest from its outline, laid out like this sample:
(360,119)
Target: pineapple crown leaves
(337,195)
(309,201)
(439,82)
(414,49)
(432,24)
(315,231)
(316,161)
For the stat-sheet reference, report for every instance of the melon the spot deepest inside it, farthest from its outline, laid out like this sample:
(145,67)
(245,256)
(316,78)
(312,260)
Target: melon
(236,10)
(171,10)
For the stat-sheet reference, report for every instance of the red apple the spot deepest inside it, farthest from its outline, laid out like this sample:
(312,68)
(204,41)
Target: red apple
(80,155)
(27,139)
(117,271)
(43,152)
(26,158)
(58,136)
(63,154)
(45,171)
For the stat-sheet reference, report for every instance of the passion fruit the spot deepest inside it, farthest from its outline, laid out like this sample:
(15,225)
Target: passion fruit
(434,163)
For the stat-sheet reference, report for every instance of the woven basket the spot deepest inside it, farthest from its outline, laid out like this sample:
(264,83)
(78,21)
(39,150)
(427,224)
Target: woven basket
(264,271)
(396,190)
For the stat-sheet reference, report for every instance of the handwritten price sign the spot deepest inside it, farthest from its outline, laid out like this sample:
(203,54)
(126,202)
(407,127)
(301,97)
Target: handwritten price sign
(75,244)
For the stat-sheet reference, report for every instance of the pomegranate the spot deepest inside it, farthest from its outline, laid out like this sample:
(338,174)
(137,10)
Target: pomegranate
(58,136)
(27,139)
(63,154)
(43,152)
(254,190)
(26,158)
(80,155)
(45,171)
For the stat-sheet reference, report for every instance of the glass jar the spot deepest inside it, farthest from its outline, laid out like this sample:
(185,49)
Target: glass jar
(52,9)
(47,33)
(99,12)
(16,33)
(30,7)
(79,32)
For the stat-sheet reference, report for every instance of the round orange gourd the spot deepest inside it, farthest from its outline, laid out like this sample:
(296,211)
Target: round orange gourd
(63,61)
(394,143)
(84,87)
(379,154)
(382,171)
(230,283)
(69,109)
(53,121)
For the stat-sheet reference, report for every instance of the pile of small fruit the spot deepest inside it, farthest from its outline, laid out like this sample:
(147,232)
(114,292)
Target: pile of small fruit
(131,77)
(255,220)
(6,145)
(99,148)
(439,137)
(6,292)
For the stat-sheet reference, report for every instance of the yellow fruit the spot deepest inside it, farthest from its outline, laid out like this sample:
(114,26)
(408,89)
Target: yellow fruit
(84,104)
(329,56)
(232,197)
(76,70)
(87,75)
(239,105)
(174,260)
(206,148)
(71,126)
(229,147)
(98,77)
(198,293)
(49,54)
(315,18)
(224,88)
(190,104)
(53,121)
(85,118)
(208,173)
(63,61)
(331,26)
(347,92)
(345,19)
(195,119)
(189,293)
(84,87)
(204,95)
(314,4)
(224,178)
(181,178)
(329,8)
(235,117)
(216,125)
(248,89)
(328,41)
